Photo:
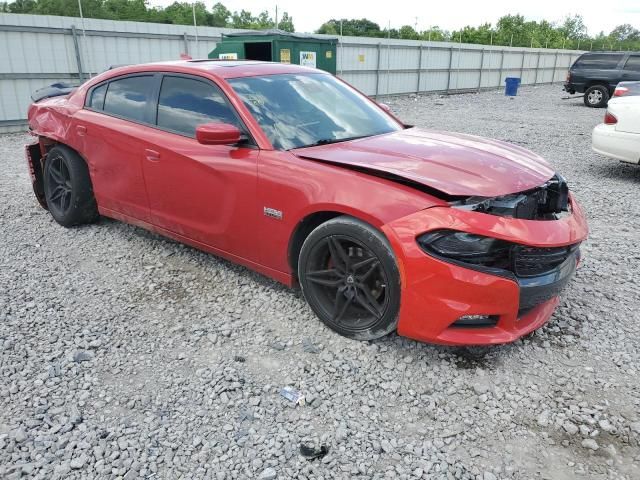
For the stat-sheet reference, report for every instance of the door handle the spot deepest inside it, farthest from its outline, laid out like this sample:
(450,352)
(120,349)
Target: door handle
(82,130)
(152,155)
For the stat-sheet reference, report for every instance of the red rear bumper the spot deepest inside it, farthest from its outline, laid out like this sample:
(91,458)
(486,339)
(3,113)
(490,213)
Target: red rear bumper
(435,293)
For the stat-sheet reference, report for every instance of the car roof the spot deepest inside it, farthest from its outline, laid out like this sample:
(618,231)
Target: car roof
(221,68)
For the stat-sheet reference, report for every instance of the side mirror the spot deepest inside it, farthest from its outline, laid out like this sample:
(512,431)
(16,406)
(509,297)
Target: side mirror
(217,134)
(384,106)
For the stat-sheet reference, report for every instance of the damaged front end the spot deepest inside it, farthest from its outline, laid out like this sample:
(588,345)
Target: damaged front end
(549,201)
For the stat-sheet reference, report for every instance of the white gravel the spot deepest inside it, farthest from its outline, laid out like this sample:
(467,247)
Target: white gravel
(125,355)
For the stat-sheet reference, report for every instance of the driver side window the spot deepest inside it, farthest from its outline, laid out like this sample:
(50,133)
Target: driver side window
(185,103)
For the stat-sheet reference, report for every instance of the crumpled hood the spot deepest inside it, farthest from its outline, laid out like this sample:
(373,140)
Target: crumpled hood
(453,163)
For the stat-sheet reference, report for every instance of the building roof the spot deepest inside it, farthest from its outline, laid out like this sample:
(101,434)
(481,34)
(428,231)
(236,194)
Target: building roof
(280,33)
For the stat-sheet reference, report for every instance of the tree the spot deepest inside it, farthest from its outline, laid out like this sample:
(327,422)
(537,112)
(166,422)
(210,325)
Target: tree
(408,32)
(20,6)
(286,23)
(356,28)
(624,33)
(135,10)
(220,16)
(241,19)
(573,27)
(509,30)
(263,21)
(181,13)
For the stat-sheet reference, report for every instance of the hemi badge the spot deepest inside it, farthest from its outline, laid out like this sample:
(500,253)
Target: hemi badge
(273,213)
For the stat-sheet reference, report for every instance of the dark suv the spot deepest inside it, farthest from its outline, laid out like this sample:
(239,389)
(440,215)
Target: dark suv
(596,74)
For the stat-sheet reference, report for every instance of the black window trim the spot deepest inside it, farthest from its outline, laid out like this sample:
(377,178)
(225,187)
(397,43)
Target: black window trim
(622,59)
(250,142)
(154,88)
(629,56)
(151,113)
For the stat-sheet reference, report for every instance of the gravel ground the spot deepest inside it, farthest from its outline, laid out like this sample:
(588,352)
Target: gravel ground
(125,355)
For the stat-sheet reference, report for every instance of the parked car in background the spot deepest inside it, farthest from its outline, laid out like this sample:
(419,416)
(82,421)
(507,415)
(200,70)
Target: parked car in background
(442,237)
(596,74)
(627,89)
(619,135)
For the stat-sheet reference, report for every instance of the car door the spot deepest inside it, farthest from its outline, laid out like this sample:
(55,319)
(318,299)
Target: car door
(631,68)
(202,192)
(110,128)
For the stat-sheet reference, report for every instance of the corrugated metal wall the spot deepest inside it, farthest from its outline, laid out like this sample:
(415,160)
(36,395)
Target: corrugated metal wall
(37,50)
(388,67)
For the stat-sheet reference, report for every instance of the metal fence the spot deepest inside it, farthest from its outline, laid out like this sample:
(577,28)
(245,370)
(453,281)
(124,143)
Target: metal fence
(37,50)
(390,67)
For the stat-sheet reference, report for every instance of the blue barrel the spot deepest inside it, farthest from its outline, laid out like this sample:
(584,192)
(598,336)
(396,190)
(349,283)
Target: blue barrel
(511,87)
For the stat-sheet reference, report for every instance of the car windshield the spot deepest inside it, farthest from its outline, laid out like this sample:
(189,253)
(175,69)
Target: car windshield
(299,110)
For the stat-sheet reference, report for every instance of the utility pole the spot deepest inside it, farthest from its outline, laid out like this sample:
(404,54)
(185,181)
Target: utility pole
(195,26)
(277,20)
(84,37)
(341,50)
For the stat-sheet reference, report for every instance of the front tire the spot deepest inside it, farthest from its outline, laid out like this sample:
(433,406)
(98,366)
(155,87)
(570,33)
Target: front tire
(67,188)
(349,277)
(596,96)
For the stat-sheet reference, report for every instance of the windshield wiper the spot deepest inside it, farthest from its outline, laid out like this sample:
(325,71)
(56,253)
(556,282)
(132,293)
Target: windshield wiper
(327,141)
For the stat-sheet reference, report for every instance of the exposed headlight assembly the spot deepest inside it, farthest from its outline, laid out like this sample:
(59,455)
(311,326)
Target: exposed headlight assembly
(495,256)
(467,248)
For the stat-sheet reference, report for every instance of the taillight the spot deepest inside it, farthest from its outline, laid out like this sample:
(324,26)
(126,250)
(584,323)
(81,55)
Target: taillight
(568,76)
(620,91)
(610,119)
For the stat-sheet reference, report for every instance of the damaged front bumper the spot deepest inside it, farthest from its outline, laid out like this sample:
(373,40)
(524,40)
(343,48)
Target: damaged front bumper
(449,303)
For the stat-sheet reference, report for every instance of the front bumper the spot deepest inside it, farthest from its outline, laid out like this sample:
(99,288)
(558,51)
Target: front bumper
(436,293)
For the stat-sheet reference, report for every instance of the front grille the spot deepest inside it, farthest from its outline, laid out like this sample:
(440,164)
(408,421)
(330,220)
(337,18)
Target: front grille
(532,261)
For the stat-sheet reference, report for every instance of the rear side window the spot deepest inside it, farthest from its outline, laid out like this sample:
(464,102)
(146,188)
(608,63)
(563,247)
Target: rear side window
(185,103)
(633,63)
(598,60)
(97,97)
(129,97)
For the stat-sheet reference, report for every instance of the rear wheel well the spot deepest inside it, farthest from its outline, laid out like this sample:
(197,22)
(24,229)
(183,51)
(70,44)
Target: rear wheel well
(302,231)
(592,83)
(38,152)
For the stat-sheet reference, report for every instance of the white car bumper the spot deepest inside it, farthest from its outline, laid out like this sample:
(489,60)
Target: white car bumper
(619,145)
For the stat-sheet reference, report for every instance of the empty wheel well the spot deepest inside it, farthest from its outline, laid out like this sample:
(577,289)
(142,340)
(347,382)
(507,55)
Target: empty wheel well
(302,231)
(592,83)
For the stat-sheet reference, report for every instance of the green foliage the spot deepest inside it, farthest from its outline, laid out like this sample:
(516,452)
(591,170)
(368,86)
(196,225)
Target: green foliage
(180,13)
(513,30)
(407,32)
(353,28)
(286,23)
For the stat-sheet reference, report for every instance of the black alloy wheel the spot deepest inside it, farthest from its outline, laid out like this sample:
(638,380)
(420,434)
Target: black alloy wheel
(349,277)
(67,188)
(59,186)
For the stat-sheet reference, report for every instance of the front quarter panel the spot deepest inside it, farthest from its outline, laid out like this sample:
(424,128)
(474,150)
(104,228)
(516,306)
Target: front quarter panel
(298,188)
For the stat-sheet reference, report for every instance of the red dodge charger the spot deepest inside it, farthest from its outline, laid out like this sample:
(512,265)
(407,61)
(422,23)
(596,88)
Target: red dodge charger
(443,237)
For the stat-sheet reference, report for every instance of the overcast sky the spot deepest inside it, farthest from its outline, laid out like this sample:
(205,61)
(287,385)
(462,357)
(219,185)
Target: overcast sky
(308,15)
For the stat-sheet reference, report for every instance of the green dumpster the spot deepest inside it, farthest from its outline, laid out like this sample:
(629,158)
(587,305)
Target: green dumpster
(278,46)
